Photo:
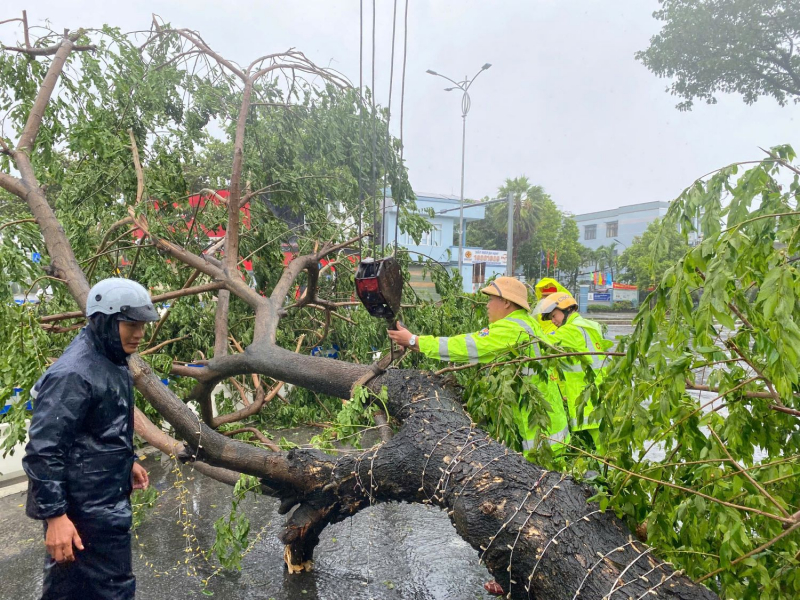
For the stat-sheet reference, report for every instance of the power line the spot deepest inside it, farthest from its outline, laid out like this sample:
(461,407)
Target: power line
(388,138)
(402,107)
(360,122)
(374,139)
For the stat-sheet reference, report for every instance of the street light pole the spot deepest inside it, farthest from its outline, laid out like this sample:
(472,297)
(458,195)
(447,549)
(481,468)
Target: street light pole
(510,236)
(465,106)
(461,201)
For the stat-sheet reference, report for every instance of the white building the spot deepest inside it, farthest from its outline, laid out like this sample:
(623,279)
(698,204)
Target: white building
(618,225)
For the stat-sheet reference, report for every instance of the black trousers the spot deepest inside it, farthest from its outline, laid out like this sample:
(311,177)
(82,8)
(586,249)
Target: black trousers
(103,570)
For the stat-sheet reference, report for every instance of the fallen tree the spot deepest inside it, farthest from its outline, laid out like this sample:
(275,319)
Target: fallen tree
(534,529)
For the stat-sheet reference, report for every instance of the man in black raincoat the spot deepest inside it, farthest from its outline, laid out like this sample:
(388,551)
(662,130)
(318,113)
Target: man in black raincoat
(80,458)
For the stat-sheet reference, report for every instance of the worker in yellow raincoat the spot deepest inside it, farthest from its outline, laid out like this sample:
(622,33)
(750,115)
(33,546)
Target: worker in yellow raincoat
(573,333)
(543,289)
(511,330)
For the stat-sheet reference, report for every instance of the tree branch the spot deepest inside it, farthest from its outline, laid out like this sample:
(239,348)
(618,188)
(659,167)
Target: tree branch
(13,185)
(761,548)
(232,230)
(747,476)
(63,262)
(166,312)
(57,329)
(125,221)
(158,347)
(50,50)
(171,447)
(689,491)
(31,129)
(258,434)
(138,166)
(705,388)
(195,39)
(17,222)
(256,406)
(199,289)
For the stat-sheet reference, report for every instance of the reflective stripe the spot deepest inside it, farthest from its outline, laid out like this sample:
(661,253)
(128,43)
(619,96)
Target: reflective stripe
(597,361)
(524,325)
(530,332)
(559,437)
(472,349)
(444,353)
(552,439)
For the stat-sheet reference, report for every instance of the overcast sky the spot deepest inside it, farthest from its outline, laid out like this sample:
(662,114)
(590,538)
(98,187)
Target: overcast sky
(564,103)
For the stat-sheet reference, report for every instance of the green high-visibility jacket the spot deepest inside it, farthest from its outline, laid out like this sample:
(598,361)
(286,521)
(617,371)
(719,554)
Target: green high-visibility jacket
(487,345)
(547,282)
(580,335)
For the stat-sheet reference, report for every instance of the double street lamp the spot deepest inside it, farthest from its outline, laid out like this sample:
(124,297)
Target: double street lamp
(465,106)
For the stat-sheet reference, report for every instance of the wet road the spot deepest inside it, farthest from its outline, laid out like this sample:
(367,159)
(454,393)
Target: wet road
(387,551)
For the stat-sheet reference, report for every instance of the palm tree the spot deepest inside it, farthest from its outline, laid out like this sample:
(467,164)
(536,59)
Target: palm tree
(527,205)
(606,256)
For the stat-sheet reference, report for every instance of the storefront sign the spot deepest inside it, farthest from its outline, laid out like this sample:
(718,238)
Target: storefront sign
(492,257)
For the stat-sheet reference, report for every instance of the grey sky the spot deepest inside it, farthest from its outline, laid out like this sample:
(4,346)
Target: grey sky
(564,103)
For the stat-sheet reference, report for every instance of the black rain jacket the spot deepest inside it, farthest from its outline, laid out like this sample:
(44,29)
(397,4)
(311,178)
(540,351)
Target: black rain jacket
(80,453)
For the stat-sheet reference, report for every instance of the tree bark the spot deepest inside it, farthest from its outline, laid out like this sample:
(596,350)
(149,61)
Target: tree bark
(534,529)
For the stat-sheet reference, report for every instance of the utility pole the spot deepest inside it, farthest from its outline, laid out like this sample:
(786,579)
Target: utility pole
(465,106)
(510,242)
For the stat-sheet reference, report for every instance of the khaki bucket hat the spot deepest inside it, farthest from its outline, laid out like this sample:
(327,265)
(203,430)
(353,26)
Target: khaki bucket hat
(509,289)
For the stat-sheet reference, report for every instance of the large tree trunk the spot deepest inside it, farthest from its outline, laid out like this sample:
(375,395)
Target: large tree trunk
(534,529)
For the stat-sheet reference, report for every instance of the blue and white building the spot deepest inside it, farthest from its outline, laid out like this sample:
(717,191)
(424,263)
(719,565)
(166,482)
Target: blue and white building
(618,225)
(441,244)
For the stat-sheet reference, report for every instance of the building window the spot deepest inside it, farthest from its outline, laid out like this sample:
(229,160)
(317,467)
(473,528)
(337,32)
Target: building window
(590,232)
(612,229)
(429,238)
(432,237)
(479,272)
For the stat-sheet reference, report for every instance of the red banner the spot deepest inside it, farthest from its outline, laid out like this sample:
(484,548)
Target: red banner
(623,286)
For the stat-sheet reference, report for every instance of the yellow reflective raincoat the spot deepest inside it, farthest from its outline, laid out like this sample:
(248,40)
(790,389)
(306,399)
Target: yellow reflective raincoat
(544,283)
(580,335)
(487,345)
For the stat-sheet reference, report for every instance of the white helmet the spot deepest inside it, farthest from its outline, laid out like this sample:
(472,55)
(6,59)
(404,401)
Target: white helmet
(117,295)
